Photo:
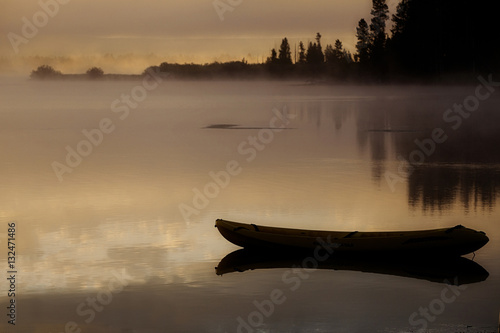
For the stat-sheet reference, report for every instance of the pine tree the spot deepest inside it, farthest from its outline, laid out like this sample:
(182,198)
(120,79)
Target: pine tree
(329,54)
(335,55)
(401,18)
(285,56)
(273,58)
(318,39)
(380,14)
(302,53)
(363,44)
(315,54)
(339,51)
(348,56)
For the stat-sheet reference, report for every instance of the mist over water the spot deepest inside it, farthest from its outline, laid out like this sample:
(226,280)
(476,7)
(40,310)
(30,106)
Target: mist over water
(109,189)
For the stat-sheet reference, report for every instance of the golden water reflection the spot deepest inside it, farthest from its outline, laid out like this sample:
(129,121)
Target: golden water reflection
(118,212)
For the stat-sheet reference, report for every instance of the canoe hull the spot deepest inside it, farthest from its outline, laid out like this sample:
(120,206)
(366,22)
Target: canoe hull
(447,241)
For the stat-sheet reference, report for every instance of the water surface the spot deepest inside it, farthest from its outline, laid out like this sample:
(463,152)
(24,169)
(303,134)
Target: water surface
(125,242)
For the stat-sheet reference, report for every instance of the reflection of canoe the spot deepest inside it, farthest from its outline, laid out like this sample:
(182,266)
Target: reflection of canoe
(448,241)
(451,270)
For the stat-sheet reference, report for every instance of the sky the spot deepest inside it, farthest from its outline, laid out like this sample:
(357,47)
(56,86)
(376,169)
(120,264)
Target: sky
(128,36)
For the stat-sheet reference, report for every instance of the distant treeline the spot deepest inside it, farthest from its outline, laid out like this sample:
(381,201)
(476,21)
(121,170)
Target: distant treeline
(430,41)
(46,72)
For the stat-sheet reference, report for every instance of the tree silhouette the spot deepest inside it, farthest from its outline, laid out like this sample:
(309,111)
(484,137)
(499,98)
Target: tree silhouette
(318,39)
(348,56)
(302,53)
(380,14)
(335,56)
(285,56)
(315,54)
(400,42)
(363,44)
(432,39)
(45,72)
(95,73)
(280,64)
(429,40)
(339,51)
(273,58)
(329,54)
(273,64)
(378,36)
(400,19)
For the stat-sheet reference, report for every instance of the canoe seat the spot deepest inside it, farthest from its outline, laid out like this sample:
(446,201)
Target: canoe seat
(350,234)
(454,228)
(253,225)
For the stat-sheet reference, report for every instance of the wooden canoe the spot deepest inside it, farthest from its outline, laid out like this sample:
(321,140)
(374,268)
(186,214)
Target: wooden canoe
(456,240)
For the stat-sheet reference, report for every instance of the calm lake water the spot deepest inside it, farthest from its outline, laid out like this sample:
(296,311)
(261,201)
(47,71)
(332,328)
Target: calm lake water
(114,200)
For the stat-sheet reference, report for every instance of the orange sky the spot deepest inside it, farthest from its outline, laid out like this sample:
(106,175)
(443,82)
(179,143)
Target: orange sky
(142,33)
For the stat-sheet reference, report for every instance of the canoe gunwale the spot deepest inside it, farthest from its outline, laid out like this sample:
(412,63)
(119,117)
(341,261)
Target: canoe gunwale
(324,233)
